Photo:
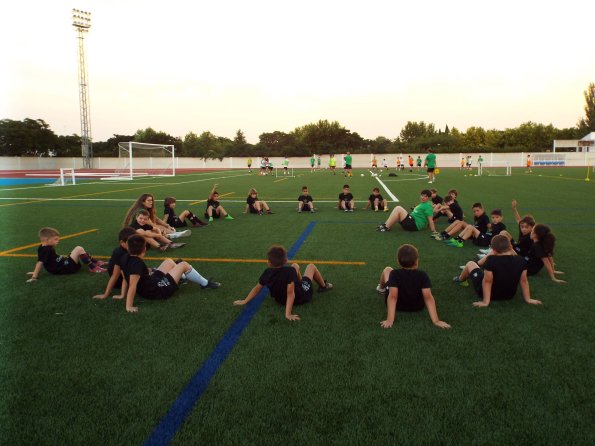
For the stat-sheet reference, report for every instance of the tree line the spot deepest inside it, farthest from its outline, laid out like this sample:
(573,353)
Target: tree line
(34,137)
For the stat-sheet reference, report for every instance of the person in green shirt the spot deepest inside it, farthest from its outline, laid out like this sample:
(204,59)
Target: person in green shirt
(319,161)
(312,161)
(250,165)
(332,163)
(418,219)
(430,163)
(348,161)
(418,162)
(285,166)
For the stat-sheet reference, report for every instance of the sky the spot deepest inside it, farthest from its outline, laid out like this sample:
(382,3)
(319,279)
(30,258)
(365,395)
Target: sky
(266,65)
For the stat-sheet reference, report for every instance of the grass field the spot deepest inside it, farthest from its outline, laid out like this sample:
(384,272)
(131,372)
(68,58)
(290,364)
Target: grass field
(80,371)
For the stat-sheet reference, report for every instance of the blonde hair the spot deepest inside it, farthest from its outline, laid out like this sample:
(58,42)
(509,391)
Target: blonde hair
(48,232)
(252,191)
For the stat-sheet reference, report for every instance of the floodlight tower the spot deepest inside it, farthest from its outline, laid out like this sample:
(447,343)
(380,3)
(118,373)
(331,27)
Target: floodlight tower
(81,20)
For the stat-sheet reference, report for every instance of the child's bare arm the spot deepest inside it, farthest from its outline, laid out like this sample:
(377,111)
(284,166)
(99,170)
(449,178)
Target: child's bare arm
(134,278)
(246,208)
(124,289)
(391,308)
(431,306)
(526,291)
(212,190)
(515,211)
(110,283)
(488,280)
(35,273)
(431,224)
(549,266)
(251,295)
(289,303)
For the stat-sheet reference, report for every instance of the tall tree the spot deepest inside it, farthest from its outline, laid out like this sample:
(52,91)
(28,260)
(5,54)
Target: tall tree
(587,124)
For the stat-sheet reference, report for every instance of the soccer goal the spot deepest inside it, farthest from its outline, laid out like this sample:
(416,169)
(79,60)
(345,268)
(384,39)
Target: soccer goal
(280,172)
(494,169)
(143,159)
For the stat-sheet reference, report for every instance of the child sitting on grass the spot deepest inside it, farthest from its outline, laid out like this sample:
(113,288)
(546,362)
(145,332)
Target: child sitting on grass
(147,202)
(56,264)
(541,252)
(305,201)
(418,219)
(377,202)
(157,284)
(113,266)
(285,282)
(500,278)
(169,215)
(407,288)
(254,205)
(214,208)
(346,202)
(480,238)
(151,235)
(480,222)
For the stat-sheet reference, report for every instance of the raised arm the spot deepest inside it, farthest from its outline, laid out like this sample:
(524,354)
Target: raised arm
(431,306)
(515,211)
(35,273)
(134,278)
(251,295)
(488,280)
(391,308)
(213,190)
(526,291)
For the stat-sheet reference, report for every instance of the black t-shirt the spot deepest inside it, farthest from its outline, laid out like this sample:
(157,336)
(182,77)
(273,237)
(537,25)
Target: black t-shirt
(346,197)
(146,227)
(523,245)
(497,228)
(507,272)
(251,200)
(437,199)
(116,259)
(305,198)
(374,197)
(536,253)
(481,223)
(277,279)
(211,202)
(52,262)
(457,211)
(147,285)
(171,215)
(410,282)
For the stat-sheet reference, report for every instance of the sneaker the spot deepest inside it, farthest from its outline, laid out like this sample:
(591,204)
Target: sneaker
(175,235)
(100,262)
(176,245)
(259,212)
(434,234)
(462,267)
(162,248)
(210,219)
(376,210)
(97,269)
(481,256)
(311,211)
(299,211)
(458,281)
(229,217)
(380,289)
(385,209)
(211,285)
(327,287)
(269,212)
(484,251)
(382,228)
(454,243)
(350,210)
(346,210)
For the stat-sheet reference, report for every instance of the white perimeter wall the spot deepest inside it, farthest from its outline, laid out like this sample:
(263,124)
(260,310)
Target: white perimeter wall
(359,161)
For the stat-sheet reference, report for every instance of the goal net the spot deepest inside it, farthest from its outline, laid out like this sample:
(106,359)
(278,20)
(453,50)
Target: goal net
(281,172)
(143,159)
(495,169)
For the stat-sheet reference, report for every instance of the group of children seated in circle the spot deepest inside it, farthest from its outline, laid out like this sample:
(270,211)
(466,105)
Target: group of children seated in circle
(503,264)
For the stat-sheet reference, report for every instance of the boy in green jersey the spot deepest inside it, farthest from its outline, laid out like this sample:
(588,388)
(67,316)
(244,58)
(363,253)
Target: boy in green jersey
(312,161)
(418,219)
(430,163)
(348,161)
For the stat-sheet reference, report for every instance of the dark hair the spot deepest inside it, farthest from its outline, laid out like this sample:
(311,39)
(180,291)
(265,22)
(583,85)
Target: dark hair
(375,189)
(142,212)
(453,192)
(545,238)
(500,244)
(136,245)
(527,219)
(434,191)
(346,186)
(477,205)
(168,201)
(426,192)
(277,255)
(497,212)
(138,204)
(407,256)
(304,187)
(126,233)
(449,198)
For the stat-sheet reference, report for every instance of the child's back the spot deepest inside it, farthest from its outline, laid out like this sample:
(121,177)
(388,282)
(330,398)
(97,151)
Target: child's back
(410,282)
(276,280)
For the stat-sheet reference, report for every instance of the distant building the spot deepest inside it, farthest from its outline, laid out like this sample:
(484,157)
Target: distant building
(585,144)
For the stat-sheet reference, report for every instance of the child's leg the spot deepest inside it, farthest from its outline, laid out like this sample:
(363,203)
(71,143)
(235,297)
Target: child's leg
(166,266)
(210,211)
(79,253)
(456,227)
(313,274)
(257,206)
(151,241)
(221,210)
(396,216)
(342,205)
(384,276)
(264,205)
(300,205)
(469,232)
(470,266)
(162,239)
(184,215)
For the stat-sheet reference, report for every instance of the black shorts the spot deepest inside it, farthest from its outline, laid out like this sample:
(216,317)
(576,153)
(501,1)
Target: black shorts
(176,222)
(408,223)
(165,286)
(452,219)
(306,207)
(252,209)
(431,169)
(380,205)
(476,279)
(215,214)
(483,240)
(69,266)
(285,167)
(348,166)
(305,293)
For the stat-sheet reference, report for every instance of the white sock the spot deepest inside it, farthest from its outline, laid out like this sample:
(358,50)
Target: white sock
(194,276)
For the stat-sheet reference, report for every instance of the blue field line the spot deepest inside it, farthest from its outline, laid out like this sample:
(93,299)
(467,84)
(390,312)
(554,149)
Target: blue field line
(183,405)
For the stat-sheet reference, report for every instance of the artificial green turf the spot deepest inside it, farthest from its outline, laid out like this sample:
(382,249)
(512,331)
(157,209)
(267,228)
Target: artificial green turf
(75,370)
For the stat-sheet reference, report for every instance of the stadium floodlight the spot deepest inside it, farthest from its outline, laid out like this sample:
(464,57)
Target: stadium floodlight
(81,20)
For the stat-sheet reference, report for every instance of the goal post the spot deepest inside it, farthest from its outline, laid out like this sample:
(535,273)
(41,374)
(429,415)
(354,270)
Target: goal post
(494,169)
(281,172)
(144,159)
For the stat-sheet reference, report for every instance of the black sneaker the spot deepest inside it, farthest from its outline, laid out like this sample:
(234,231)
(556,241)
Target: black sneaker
(211,284)
(327,287)
(382,228)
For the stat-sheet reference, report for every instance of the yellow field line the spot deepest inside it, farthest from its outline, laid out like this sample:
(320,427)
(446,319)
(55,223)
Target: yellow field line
(562,178)
(204,201)
(222,260)
(20,248)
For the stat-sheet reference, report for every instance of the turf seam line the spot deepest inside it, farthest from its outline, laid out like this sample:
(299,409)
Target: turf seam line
(185,402)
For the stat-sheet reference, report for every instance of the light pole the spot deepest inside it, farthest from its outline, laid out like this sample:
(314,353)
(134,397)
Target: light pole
(81,20)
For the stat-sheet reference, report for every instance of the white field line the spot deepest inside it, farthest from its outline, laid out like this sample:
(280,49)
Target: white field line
(128,200)
(390,194)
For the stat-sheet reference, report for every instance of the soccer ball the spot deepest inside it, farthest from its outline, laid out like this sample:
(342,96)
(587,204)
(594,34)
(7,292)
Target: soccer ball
(362,174)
